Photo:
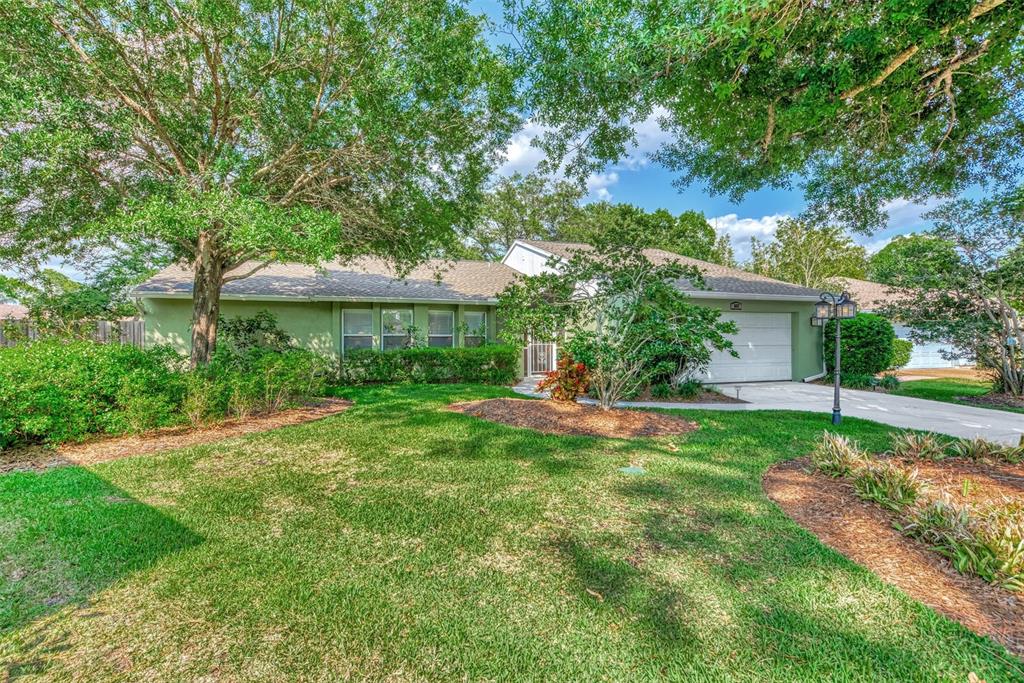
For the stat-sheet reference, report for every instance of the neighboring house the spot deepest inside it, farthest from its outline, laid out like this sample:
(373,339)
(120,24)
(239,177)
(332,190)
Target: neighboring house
(365,304)
(873,297)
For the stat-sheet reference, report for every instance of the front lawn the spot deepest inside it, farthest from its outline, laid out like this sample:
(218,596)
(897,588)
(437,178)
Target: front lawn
(401,541)
(951,390)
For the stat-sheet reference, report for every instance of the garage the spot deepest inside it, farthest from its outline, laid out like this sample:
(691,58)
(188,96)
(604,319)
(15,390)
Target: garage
(765,346)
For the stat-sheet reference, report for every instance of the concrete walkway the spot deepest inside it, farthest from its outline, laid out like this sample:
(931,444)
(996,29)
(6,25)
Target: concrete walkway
(899,411)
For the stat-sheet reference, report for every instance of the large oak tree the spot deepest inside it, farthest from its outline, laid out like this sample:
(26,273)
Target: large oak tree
(861,102)
(234,134)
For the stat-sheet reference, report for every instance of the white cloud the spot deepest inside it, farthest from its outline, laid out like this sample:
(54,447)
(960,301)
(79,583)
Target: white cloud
(598,184)
(740,230)
(521,156)
(905,216)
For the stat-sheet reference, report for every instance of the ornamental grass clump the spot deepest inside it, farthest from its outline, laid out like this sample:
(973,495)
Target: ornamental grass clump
(979,449)
(837,456)
(914,446)
(987,543)
(887,484)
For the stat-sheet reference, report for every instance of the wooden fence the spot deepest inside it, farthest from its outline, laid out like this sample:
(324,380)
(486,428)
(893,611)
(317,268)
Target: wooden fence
(129,331)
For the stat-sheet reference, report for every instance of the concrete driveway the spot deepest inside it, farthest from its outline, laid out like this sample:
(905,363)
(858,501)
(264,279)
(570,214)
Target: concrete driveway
(899,411)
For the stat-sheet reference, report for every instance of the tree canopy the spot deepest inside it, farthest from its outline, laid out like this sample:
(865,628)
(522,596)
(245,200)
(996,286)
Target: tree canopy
(807,255)
(861,102)
(913,261)
(238,133)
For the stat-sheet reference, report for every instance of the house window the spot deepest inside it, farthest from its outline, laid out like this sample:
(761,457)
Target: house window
(394,328)
(476,327)
(356,329)
(441,328)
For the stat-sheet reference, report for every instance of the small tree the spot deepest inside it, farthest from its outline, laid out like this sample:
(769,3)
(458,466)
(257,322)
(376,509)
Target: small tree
(620,312)
(974,304)
(807,255)
(867,344)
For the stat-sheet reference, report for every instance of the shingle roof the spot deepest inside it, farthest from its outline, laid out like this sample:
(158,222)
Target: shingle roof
(717,278)
(871,296)
(364,279)
(13,312)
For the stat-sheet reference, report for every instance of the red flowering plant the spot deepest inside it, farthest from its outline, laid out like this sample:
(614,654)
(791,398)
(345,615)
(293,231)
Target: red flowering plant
(568,382)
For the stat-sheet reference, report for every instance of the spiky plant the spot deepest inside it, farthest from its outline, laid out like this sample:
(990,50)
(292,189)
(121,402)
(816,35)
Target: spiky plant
(915,446)
(837,456)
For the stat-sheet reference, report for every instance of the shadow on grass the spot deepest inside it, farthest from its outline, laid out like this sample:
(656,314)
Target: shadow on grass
(66,534)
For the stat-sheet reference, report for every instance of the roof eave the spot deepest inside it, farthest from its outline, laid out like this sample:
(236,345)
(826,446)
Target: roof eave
(344,299)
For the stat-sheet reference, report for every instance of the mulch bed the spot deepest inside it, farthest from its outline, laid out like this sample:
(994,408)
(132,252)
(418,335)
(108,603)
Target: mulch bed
(993,401)
(863,532)
(103,450)
(574,419)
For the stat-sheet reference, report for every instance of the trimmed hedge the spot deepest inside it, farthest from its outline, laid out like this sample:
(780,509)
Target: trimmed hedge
(867,345)
(495,364)
(54,391)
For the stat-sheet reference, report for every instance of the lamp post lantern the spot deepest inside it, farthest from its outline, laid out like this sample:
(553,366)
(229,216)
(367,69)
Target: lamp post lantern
(835,307)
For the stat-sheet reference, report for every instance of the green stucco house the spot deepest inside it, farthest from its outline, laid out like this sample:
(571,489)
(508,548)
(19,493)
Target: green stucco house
(365,304)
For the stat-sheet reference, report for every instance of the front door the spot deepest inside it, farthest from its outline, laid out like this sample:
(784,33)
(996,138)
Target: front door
(539,358)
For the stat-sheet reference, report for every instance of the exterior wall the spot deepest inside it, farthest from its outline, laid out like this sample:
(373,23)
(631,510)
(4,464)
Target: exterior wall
(807,360)
(315,325)
(527,260)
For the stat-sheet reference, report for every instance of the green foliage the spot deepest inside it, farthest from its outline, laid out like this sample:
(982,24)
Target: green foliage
(979,449)
(913,261)
(568,381)
(861,103)
(491,364)
(688,389)
(53,391)
(887,483)
(889,382)
(661,390)
(837,456)
(259,331)
(866,345)
(236,133)
(988,544)
(856,380)
(686,234)
(915,446)
(902,349)
(807,255)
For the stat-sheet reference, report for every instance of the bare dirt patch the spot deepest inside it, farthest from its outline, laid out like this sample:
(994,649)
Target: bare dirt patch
(573,419)
(993,401)
(863,532)
(91,452)
(705,396)
(943,373)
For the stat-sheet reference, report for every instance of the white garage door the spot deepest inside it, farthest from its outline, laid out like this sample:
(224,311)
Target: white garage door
(765,346)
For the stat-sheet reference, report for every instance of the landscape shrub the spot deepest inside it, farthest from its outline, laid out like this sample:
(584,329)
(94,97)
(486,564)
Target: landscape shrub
(901,352)
(837,456)
(889,382)
(979,449)
(887,483)
(53,391)
(568,381)
(688,388)
(491,364)
(661,390)
(914,446)
(867,345)
(853,380)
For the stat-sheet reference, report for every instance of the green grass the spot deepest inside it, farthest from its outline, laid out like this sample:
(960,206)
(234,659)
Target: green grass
(950,390)
(399,541)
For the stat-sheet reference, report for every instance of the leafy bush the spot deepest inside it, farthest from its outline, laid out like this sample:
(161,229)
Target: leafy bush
(901,352)
(689,388)
(568,381)
(852,380)
(54,391)
(887,483)
(661,390)
(491,364)
(259,331)
(837,456)
(889,382)
(867,345)
(914,446)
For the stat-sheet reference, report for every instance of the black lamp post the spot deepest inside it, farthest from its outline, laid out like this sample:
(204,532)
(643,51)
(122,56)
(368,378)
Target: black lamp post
(834,307)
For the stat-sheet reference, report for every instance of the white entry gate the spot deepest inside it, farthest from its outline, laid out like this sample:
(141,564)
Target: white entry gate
(539,358)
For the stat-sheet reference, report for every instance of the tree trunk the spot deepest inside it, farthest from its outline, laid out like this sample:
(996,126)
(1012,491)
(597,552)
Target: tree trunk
(208,270)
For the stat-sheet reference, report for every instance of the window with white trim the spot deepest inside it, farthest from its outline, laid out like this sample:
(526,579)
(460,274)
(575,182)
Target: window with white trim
(476,327)
(395,324)
(441,329)
(356,329)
